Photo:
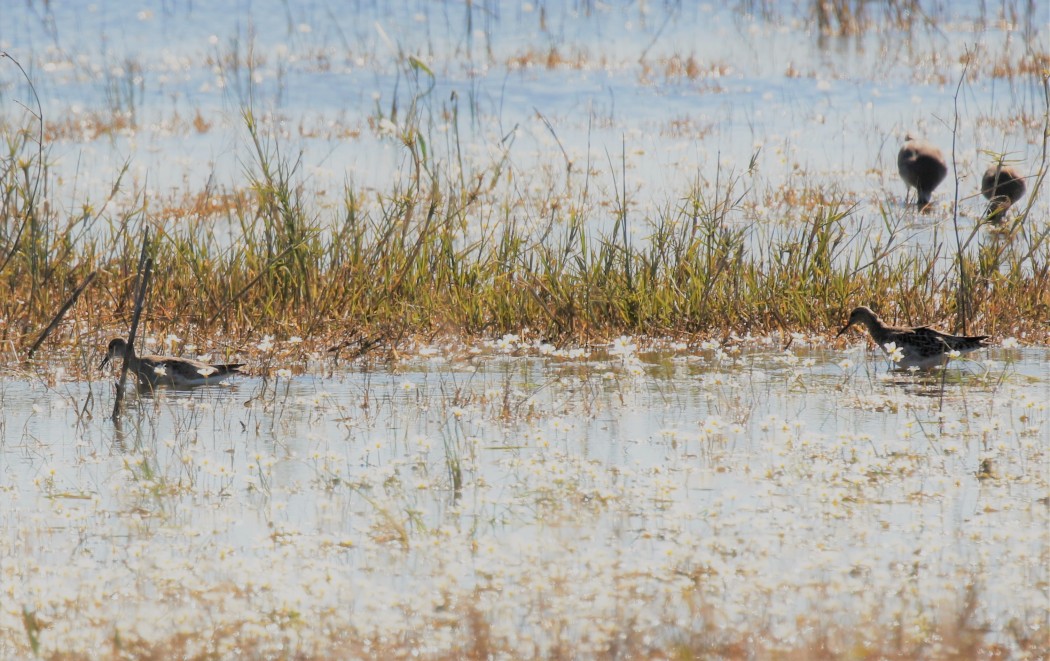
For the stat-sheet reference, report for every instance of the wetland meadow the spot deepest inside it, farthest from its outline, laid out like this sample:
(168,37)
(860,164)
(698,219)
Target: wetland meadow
(538,305)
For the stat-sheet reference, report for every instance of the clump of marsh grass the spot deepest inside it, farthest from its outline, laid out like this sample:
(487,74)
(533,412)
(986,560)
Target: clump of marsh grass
(485,252)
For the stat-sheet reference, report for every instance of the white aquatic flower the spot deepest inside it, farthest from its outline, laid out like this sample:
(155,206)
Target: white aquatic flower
(954,354)
(895,353)
(407,386)
(622,346)
(295,339)
(708,345)
(845,363)
(1010,343)
(507,342)
(266,344)
(284,373)
(160,370)
(712,425)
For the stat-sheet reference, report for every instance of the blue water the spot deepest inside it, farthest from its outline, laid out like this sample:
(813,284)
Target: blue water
(828,112)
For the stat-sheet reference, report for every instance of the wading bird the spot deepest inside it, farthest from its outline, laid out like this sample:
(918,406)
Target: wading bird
(921,166)
(1002,185)
(921,346)
(155,371)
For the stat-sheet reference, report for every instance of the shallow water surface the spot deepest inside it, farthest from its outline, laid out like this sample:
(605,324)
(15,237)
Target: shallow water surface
(770,485)
(665,94)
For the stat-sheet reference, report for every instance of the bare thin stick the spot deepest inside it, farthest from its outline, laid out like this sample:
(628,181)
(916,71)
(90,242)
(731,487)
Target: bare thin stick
(62,313)
(144,271)
(963,294)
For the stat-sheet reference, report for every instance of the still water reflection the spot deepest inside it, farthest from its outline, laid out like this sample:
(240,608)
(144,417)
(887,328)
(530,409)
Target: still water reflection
(784,469)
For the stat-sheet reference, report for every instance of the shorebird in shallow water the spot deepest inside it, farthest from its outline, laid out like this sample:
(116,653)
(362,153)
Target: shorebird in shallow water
(921,166)
(921,346)
(168,370)
(1001,185)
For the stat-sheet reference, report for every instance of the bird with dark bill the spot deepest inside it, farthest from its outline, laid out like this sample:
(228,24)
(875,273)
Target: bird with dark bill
(156,371)
(917,346)
(922,167)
